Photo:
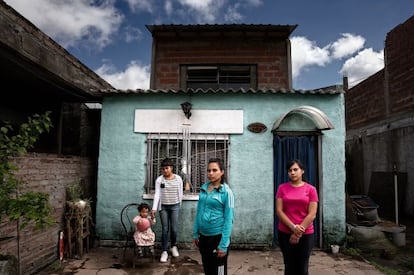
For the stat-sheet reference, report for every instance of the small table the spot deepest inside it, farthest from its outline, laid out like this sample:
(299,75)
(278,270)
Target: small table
(78,223)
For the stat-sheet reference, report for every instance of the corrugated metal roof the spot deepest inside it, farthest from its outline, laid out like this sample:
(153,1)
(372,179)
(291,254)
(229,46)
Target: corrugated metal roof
(323,91)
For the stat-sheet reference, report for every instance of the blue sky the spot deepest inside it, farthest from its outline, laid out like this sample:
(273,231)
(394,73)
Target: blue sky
(333,37)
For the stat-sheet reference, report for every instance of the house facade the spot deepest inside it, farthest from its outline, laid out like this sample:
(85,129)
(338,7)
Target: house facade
(222,91)
(380,127)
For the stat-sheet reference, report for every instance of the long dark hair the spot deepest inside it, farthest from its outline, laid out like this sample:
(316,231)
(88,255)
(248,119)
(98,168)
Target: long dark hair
(221,166)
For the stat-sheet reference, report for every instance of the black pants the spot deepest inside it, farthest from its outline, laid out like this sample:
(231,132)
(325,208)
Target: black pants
(212,264)
(296,256)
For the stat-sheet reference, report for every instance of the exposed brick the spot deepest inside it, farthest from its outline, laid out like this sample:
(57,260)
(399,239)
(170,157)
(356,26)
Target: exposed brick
(377,98)
(267,55)
(44,173)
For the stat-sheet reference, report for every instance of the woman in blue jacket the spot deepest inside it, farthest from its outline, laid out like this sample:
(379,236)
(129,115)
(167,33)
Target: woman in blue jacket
(214,220)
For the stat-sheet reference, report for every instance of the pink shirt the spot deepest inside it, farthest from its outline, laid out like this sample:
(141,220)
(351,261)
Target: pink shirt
(295,203)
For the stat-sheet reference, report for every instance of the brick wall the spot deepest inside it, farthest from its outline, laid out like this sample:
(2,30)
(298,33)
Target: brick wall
(390,92)
(271,57)
(50,174)
(365,103)
(379,125)
(399,54)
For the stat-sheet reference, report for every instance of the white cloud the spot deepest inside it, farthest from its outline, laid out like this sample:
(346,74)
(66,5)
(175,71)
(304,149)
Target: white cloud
(306,53)
(197,4)
(347,45)
(132,34)
(134,77)
(233,15)
(205,11)
(79,24)
(140,5)
(168,7)
(254,3)
(71,23)
(366,63)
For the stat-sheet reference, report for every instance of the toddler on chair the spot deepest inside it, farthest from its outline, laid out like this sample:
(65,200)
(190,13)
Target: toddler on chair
(144,236)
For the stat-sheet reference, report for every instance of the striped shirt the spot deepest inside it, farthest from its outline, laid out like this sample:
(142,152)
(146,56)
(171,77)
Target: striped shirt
(167,191)
(169,194)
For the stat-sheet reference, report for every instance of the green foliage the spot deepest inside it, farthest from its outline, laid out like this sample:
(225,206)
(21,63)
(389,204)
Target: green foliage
(385,270)
(352,251)
(74,192)
(408,264)
(28,206)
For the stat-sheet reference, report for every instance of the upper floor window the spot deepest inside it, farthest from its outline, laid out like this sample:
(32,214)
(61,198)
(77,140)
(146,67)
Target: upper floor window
(190,153)
(220,76)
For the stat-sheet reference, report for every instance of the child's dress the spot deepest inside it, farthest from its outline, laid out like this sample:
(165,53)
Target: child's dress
(146,237)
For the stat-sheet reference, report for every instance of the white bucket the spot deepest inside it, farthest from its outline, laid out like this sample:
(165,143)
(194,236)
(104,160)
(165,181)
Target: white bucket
(334,248)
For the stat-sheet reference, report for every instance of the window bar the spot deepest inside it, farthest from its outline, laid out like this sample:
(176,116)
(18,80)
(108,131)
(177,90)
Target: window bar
(215,145)
(168,145)
(193,161)
(177,153)
(147,166)
(158,166)
(150,166)
(225,159)
(184,160)
(197,176)
(205,158)
(188,158)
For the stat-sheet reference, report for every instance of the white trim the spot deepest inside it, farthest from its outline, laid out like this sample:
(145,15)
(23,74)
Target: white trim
(174,136)
(186,197)
(201,121)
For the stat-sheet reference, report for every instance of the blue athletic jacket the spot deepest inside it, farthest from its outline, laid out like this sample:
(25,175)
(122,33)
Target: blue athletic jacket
(214,215)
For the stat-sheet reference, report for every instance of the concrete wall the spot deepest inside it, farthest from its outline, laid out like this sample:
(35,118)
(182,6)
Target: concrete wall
(380,126)
(121,172)
(49,174)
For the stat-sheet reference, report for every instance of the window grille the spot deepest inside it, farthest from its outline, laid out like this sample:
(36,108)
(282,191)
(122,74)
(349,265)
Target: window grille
(190,154)
(229,76)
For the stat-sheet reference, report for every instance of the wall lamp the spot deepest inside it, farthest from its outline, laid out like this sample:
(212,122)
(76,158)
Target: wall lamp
(186,106)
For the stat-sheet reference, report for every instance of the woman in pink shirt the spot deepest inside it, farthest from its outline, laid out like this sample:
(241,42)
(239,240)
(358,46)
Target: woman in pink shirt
(296,206)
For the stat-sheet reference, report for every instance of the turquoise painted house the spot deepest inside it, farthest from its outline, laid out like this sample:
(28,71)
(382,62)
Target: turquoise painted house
(222,91)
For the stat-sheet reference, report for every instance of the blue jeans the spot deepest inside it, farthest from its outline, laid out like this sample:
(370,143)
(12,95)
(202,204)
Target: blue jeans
(169,222)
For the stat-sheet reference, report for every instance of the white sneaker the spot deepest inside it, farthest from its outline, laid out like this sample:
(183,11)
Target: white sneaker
(174,251)
(164,257)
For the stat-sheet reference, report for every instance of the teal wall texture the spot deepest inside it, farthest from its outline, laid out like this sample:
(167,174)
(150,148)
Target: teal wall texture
(121,171)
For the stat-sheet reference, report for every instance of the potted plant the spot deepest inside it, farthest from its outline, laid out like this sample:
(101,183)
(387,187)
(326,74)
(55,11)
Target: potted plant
(75,198)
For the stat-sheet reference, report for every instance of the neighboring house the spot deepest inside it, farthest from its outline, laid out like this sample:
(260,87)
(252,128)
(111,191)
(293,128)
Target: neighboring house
(38,75)
(237,81)
(380,129)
